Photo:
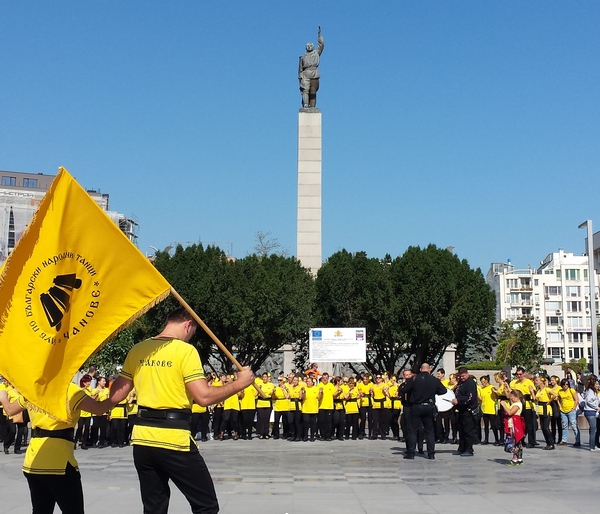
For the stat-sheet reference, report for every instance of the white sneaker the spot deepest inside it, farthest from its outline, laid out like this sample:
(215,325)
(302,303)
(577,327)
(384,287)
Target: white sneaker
(593,449)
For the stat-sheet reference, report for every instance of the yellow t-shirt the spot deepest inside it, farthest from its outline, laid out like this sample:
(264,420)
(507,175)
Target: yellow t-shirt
(295,404)
(85,414)
(393,392)
(310,404)
(365,389)
(326,402)
(50,455)
(160,370)
(524,388)
(248,401)
(280,402)
(338,403)
(198,409)
(351,403)
(378,396)
(232,403)
(488,405)
(543,399)
(567,402)
(267,389)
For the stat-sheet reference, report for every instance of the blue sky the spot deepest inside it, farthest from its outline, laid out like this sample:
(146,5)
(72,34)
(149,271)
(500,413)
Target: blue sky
(472,124)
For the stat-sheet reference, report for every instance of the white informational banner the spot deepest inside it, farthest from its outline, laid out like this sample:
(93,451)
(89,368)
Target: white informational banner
(337,345)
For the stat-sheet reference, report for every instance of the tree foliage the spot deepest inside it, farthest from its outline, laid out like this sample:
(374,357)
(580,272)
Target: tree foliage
(520,346)
(413,307)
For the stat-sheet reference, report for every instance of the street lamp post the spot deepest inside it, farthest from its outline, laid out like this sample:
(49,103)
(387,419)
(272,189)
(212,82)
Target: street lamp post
(592,283)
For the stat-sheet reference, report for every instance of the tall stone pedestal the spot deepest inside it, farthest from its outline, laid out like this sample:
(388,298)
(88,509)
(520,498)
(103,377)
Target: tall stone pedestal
(309,189)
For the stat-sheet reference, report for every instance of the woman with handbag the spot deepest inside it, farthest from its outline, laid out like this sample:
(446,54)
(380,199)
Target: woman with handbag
(591,408)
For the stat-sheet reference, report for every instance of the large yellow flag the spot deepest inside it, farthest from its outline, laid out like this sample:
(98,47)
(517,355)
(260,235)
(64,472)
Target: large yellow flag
(72,281)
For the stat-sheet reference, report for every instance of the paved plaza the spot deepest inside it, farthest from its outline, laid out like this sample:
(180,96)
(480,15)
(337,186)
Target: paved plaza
(345,477)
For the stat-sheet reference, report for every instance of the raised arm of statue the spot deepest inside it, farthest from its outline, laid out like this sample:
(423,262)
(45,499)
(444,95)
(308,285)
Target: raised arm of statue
(321,43)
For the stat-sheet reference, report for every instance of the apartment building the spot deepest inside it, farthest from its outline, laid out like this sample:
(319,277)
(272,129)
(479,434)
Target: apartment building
(20,195)
(556,296)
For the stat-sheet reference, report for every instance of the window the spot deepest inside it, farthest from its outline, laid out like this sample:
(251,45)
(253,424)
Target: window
(554,337)
(512,283)
(526,283)
(576,337)
(553,290)
(30,182)
(558,274)
(552,321)
(575,322)
(576,353)
(554,353)
(553,306)
(536,282)
(9,181)
(512,298)
(573,291)
(573,306)
(572,274)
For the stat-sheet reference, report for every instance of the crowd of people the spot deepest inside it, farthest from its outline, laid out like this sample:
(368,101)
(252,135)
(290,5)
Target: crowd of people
(313,405)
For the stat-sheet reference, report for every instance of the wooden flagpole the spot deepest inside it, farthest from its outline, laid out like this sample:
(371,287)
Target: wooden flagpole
(205,327)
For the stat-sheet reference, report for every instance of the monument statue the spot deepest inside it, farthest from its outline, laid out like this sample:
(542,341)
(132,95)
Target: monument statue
(308,74)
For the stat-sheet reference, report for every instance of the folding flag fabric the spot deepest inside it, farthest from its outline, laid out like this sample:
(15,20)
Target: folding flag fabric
(72,281)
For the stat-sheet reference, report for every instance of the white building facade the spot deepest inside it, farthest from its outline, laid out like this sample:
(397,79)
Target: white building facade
(556,296)
(20,195)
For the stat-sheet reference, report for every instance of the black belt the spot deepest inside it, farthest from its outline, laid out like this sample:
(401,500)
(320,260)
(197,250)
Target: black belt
(295,399)
(351,400)
(164,418)
(425,403)
(67,434)
(502,397)
(380,401)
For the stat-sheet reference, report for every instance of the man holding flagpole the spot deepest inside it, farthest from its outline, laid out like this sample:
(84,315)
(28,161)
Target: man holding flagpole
(167,374)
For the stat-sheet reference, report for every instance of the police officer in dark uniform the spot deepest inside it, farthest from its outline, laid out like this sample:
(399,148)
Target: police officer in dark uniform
(466,402)
(421,392)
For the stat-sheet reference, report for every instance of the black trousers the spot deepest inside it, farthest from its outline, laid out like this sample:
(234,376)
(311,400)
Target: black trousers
(442,425)
(363,414)
(530,425)
(325,423)
(468,432)
(283,417)
(263,414)
(200,421)
(309,422)
(118,427)
(49,490)
(187,470)
(98,431)
(339,422)
(545,421)
(489,421)
(296,426)
(83,431)
(247,421)
(351,423)
(421,415)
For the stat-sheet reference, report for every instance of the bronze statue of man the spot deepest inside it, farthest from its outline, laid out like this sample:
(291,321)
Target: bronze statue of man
(308,74)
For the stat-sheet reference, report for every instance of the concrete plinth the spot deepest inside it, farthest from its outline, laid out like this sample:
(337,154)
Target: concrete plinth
(309,189)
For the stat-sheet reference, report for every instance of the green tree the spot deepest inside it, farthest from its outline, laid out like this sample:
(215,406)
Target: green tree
(413,307)
(353,290)
(520,346)
(440,301)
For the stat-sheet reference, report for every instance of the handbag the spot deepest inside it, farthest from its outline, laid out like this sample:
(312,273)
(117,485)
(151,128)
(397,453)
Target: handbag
(509,443)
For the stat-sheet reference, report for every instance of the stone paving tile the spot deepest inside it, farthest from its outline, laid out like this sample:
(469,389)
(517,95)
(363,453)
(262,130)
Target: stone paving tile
(278,477)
